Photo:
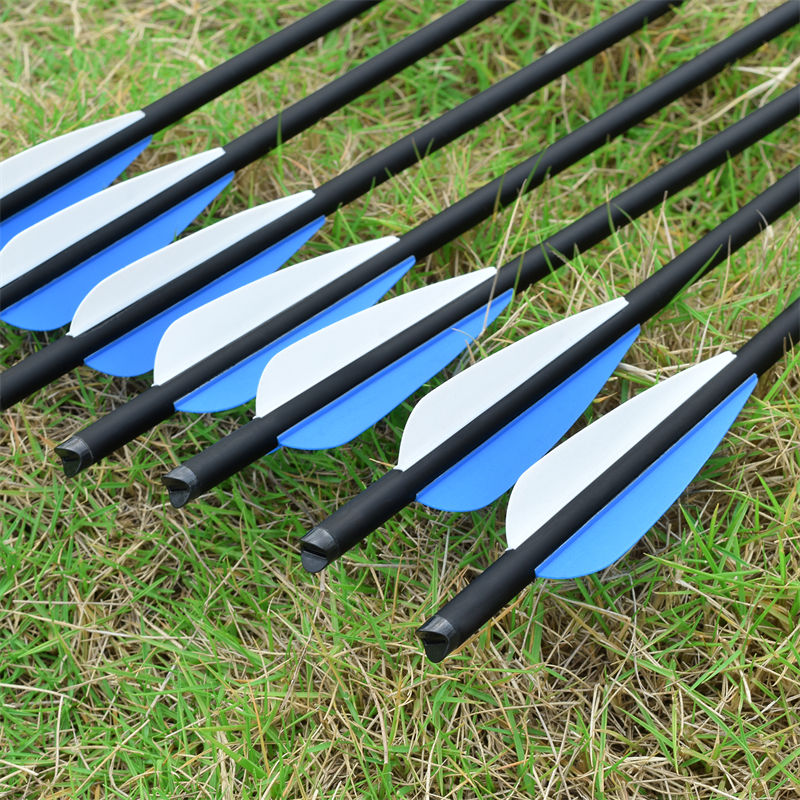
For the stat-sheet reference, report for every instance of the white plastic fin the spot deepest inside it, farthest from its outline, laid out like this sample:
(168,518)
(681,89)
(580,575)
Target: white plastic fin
(206,329)
(454,404)
(28,165)
(305,363)
(154,270)
(550,484)
(55,233)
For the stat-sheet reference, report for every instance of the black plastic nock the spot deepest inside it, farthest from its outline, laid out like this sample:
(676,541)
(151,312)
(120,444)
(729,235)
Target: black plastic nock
(355,520)
(474,606)
(222,460)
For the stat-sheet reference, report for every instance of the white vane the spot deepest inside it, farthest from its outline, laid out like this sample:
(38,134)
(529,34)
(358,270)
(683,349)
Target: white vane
(550,484)
(55,233)
(458,401)
(149,273)
(205,330)
(28,165)
(309,361)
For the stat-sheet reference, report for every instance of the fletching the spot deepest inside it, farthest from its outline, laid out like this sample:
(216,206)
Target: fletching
(620,524)
(449,407)
(23,167)
(55,304)
(148,274)
(136,350)
(588,501)
(298,368)
(361,407)
(493,468)
(238,384)
(553,482)
(28,165)
(67,227)
(154,270)
(207,329)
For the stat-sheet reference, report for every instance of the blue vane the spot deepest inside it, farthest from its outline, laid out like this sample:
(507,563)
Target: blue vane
(239,384)
(483,475)
(618,526)
(135,352)
(87,184)
(354,412)
(55,304)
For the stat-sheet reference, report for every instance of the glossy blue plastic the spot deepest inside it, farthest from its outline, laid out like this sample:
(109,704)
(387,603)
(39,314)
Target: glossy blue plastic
(620,524)
(239,384)
(493,468)
(354,412)
(134,353)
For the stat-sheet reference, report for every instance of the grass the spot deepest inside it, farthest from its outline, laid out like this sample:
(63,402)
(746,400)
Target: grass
(147,652)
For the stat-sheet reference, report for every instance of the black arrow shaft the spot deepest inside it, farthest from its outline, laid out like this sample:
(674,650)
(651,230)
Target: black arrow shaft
(454,123)
(58,358)
(189,97)
(496,586)
(259,141)
(657,291)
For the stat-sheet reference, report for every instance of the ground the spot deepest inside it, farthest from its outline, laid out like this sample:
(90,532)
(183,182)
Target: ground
(148,652)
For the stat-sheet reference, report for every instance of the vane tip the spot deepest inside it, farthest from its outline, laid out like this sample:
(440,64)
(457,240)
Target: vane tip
(181,484)
(317,549)
(438,637)
(75,456)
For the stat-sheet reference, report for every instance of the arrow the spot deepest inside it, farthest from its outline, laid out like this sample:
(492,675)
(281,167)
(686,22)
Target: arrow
(468,441)
(118,325)
(61,171)
(635,462)
(345,402)
(362,284)
(46,269)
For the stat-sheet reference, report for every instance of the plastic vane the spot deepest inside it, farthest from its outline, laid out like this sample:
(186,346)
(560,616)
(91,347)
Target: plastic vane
(297,369)
(35,162)
(307,397)
(55,303)
(134,354)
(544,542)
(620,524)
(553,482)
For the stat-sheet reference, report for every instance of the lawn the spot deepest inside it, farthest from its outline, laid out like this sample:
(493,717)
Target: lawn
(149,652)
